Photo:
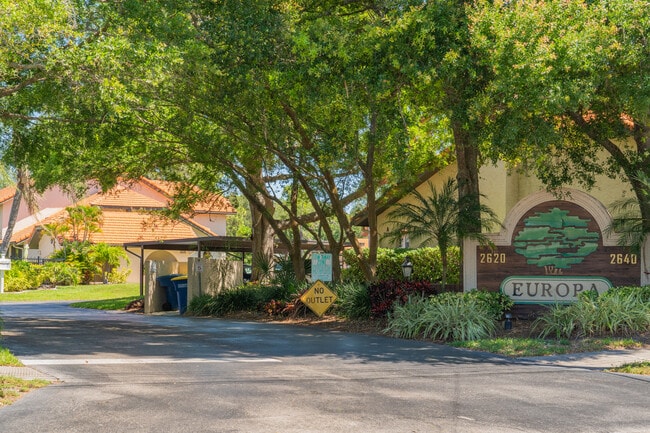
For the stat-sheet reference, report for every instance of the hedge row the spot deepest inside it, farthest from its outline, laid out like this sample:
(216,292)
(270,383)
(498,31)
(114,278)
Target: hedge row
(427,265)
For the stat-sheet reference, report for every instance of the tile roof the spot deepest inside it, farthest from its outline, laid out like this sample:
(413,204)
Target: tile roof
(214,203)
(124,198)
(125,218)
(125,226)
(120,226)
(7,193)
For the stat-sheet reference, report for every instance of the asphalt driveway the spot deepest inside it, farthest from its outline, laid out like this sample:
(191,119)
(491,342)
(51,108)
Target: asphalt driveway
(123,372)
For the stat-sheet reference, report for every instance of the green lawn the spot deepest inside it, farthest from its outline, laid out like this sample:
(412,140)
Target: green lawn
(93,292)
(8,358)
(107,304)
(12,388)
(634,368)
(523,347)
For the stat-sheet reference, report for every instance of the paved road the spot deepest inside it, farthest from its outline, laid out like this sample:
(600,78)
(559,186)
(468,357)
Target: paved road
(122,372)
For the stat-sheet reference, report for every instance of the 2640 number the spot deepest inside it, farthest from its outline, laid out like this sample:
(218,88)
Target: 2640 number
(622,259)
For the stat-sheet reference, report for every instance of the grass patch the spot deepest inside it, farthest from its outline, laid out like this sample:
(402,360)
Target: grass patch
(633,368)
(517,347)
(526,347)
(91,292)
(107,304)
(8,359)
(12,388)
(605,343)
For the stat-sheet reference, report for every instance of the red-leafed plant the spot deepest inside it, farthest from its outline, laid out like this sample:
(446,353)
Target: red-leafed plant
(385,293)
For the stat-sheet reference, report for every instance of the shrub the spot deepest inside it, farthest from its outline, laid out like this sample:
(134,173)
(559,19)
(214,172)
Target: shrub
(77,254)
(641,293)
(23,276)
(449,316)
(353,301)
(17,283)
(496,303)
(283,274)
(427,264)
(558,321)
(243,298)
(249,297)
(275,307)
(385,293)
(619,313)
(117,276)
(61,273)
(202,305)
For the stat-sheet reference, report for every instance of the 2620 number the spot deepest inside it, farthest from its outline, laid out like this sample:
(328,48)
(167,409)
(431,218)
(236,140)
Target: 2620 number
(493,258)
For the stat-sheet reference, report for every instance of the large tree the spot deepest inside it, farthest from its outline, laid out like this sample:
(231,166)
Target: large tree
(571,84)
(256,95)
(35,38)
(451,77)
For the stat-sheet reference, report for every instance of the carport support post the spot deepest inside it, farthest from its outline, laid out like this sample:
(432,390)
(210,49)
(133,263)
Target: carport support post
(199,258)
(142,271)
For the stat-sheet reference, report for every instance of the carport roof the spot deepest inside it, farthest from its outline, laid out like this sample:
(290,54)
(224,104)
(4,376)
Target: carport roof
(209,243)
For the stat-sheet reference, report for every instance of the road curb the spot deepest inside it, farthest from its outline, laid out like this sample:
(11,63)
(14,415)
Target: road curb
(592,360)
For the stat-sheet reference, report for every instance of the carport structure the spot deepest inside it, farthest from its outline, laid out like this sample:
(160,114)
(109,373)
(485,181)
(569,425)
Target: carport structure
(224,244)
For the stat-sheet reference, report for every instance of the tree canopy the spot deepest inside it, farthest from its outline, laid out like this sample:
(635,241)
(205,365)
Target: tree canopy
(277,99)
(309,109)
(571,83)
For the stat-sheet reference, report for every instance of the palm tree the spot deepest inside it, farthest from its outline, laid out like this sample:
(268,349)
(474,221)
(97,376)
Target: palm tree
(84,221)
(56,231)
(25,192)
(628,221)
(106,257)
(439,219)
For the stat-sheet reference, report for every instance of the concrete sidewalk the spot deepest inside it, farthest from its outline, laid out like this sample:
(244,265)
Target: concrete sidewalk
(26,373)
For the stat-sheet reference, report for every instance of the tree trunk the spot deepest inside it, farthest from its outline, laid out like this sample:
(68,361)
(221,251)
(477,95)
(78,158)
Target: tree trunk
(296,250)
(13,215)
(468,184)
(467,178)
(262,237)
(445,266)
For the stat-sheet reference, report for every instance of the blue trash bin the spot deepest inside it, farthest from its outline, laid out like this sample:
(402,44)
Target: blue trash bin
(165,282)
(180,286)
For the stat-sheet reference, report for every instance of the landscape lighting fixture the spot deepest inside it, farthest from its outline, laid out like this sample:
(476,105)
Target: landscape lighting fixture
(407,268)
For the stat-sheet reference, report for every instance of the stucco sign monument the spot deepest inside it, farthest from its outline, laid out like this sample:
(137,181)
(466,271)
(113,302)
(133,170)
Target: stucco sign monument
(552,250)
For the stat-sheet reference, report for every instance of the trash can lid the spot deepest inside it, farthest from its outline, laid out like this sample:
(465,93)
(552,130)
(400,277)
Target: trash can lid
(179,278)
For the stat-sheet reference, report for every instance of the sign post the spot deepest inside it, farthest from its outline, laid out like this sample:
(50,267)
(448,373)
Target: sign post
(5,265)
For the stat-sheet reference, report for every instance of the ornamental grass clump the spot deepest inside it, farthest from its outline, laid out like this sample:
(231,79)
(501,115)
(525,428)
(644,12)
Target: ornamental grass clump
(447,317)
(353,301)
(616,312)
